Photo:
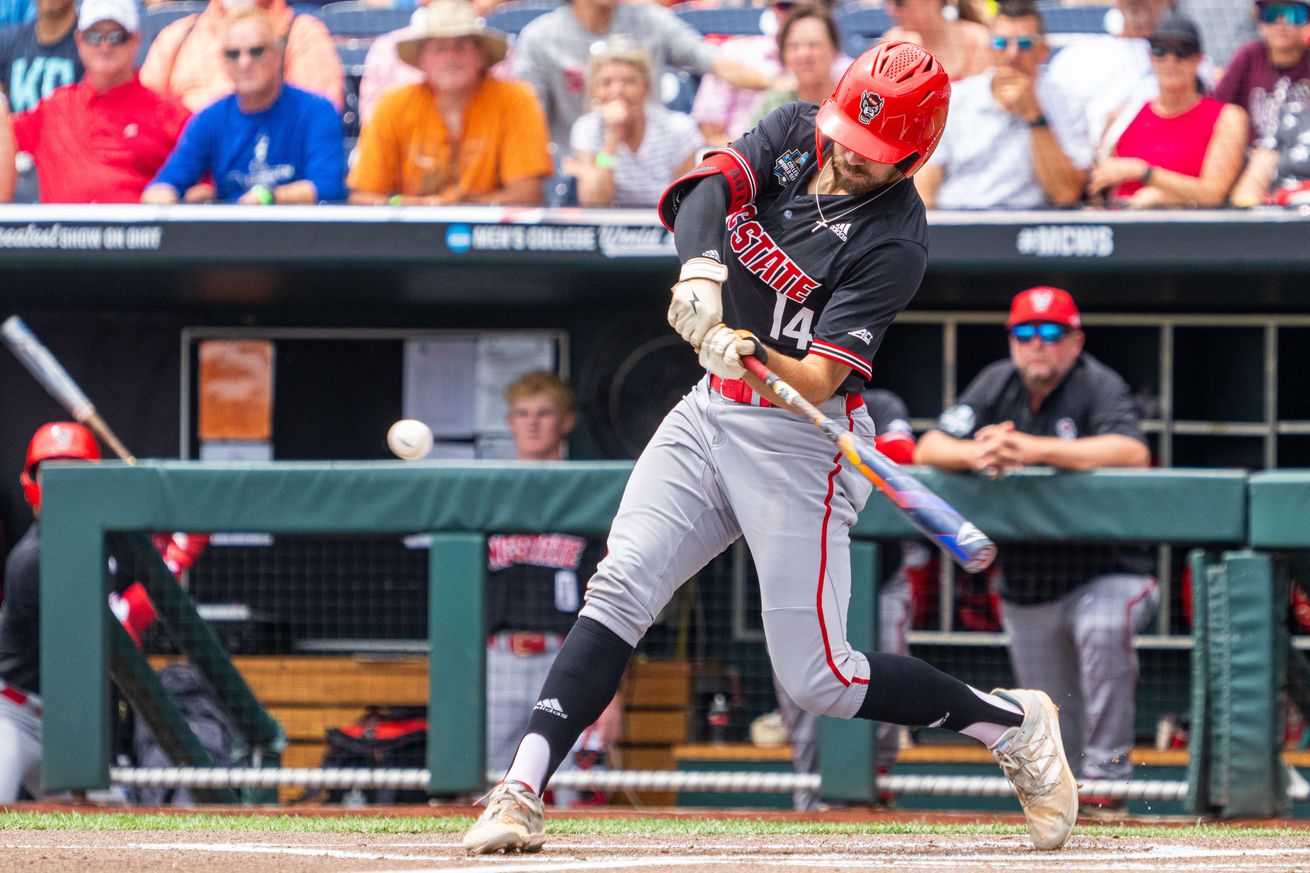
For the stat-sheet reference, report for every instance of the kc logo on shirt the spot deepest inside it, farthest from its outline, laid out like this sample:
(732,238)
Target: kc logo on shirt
(758,252)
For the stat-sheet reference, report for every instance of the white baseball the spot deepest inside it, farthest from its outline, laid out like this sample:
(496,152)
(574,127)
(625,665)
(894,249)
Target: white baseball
(410,439)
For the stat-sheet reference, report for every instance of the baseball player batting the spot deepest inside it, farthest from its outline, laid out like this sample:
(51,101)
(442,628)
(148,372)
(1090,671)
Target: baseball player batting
(805,238)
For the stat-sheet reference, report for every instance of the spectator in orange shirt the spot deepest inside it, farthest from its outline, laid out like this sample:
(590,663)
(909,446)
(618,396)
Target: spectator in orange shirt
(186,59)
(412,152)
(103,139)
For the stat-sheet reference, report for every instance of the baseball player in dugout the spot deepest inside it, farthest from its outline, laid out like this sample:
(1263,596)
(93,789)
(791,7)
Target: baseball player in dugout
(1071,610)
(535,586)
(20,665)
(799,242)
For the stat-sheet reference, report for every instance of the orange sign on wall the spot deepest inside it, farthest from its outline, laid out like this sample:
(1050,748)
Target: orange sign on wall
(236,390)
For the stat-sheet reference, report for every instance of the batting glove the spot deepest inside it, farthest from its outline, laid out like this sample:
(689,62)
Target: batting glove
(721,351)
(697,304)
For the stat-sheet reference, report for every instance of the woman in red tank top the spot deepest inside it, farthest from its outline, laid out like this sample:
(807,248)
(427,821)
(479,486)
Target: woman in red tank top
(1181,149)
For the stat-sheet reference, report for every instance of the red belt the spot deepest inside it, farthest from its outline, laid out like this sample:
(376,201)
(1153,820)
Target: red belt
(18,697)
(738,391)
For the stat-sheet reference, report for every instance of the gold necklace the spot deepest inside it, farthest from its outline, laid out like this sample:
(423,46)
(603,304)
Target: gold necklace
(824,222)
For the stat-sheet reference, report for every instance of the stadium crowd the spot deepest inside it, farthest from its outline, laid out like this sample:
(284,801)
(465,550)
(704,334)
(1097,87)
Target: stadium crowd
(1143,103)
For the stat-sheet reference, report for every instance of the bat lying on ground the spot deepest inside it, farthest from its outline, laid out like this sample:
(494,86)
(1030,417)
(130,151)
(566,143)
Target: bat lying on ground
(55,379)
(934,517)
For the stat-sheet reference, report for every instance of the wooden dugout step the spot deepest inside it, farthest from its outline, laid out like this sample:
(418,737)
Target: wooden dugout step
(329,681)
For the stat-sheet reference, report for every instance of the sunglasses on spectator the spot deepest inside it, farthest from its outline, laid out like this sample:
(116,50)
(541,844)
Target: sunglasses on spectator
(255,51)
(1293,13)
(1049,331)
(1181,50)
(1022,43)
(112,37)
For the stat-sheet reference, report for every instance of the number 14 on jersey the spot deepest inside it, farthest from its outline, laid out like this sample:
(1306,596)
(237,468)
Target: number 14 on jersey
(798,328)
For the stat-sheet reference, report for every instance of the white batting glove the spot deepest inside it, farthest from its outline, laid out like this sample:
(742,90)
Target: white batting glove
(697,304)
(722,350)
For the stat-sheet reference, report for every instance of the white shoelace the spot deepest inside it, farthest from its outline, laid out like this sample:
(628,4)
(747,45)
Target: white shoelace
(1033,782)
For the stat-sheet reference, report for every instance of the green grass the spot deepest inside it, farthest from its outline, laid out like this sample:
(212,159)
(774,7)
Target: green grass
(274,823)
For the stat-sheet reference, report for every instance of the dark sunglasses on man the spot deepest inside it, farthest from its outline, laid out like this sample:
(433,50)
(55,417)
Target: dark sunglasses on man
(1048,331)
(1182,50)
(1295,14)
(111,37)
(1022,43)
(255,51)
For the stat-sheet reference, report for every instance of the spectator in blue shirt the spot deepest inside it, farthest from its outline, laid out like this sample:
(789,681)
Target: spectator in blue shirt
(268,142)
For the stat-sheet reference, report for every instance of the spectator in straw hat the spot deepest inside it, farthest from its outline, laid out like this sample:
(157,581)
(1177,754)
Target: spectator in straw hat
(458,136)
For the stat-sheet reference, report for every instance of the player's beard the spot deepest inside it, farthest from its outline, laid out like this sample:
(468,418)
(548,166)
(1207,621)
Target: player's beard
(865,181)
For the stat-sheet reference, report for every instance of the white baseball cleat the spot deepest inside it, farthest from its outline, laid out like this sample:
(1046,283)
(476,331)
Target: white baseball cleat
(514,821)
(1032,756)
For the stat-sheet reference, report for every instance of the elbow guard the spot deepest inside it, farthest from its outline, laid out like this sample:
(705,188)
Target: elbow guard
(736,173)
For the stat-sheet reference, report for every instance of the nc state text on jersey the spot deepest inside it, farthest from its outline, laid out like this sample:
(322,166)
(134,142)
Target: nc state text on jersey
(757,252)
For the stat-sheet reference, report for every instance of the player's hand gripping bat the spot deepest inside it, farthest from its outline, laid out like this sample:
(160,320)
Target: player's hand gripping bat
(55,379)
(934,517)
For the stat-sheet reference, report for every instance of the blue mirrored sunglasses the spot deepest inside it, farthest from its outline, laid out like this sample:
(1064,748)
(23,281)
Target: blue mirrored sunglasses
(1294,14)
(1049,331)
(1023,43)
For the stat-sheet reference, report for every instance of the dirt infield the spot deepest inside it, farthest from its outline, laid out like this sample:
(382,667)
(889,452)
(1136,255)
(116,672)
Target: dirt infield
(137,851)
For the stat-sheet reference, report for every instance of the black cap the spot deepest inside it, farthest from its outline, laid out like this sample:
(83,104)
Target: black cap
(1175,27)
(1264,3)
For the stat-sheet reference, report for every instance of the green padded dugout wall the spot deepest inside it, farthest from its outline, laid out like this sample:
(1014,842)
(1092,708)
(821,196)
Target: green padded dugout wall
(83,502)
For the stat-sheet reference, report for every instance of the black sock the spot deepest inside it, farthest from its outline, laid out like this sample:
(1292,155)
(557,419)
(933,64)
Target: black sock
(581,683)
(908,691)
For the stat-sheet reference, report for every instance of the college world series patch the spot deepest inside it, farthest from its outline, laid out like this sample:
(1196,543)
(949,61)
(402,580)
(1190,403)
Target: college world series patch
(788,167)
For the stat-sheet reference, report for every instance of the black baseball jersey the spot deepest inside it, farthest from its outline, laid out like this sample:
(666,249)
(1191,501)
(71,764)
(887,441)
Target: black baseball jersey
(1092,400)
(806,288)
(20,628)
(535,582)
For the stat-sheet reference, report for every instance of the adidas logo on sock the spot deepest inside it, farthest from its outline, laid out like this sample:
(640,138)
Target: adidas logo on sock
(551,705)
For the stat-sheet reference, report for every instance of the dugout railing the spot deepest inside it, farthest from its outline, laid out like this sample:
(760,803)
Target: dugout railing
(88,506)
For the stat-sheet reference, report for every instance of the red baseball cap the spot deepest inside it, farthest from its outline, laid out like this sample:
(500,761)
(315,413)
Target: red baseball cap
(1044,303)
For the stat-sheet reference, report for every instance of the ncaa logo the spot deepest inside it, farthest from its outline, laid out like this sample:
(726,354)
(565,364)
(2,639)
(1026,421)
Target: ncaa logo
(459,238)
(870,106)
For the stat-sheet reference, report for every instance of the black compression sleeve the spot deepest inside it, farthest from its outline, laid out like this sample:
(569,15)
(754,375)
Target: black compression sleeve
(698,229)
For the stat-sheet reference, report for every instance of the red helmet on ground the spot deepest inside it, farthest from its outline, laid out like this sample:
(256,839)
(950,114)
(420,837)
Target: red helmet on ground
(890,106)
(58,440)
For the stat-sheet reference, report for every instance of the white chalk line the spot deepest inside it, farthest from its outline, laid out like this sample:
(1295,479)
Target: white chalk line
(1154,858)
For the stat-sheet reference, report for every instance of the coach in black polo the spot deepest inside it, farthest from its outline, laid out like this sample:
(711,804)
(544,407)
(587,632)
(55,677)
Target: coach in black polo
(1070,610)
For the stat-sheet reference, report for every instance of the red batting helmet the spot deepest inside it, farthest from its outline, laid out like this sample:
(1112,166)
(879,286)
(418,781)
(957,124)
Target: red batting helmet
(59,440)
(890,106)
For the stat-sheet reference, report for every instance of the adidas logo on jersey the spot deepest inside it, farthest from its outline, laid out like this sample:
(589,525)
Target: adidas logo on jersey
(841,229)
(862,335)
(551,705)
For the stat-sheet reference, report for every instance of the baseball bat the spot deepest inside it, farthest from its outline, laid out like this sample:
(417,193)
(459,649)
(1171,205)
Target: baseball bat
(933,516)
(47,370)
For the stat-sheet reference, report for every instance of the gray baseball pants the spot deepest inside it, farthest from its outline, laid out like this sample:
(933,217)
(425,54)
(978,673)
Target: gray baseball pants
(1079,650)
(20,750)
(895,608)
(716,470)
